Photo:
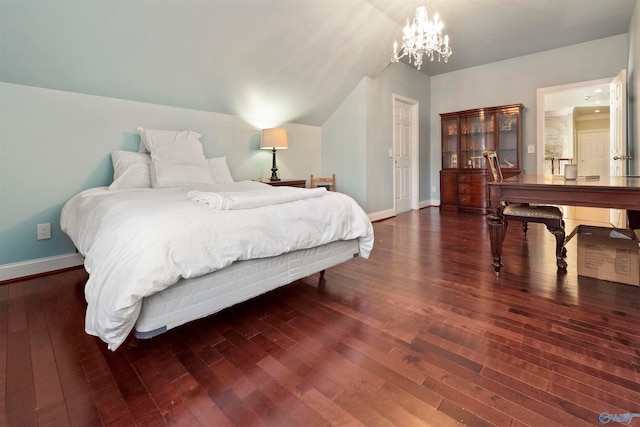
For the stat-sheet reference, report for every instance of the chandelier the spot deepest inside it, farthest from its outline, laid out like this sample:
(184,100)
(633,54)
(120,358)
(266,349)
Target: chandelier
(422,37)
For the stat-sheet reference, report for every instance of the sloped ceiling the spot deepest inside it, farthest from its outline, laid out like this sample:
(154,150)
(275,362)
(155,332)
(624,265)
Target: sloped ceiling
(269,61)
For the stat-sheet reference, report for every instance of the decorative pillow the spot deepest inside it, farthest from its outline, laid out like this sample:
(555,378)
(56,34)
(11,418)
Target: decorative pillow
(220,170)
(130,170)
(177,158)
(167,174)
(145,133)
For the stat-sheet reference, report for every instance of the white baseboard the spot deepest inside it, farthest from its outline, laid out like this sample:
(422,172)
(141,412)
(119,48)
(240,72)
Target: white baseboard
(380,215)
(39,266)
(389,213)
(429,203)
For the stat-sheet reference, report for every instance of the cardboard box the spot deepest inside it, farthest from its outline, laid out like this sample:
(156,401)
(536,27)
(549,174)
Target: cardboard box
(609,254)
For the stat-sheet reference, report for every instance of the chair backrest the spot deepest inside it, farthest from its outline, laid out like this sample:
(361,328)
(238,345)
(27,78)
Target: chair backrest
(494,165)
(328,183)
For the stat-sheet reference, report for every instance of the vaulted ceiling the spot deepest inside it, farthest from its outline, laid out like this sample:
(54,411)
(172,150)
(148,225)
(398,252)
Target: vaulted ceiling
(269,61)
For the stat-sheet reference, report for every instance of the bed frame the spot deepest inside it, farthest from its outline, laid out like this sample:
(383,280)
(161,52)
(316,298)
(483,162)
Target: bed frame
(192,299)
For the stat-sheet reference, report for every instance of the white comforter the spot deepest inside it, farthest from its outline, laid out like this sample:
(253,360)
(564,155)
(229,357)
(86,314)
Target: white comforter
(254,199)
(139,242)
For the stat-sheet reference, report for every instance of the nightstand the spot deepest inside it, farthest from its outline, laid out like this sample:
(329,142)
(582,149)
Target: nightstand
(300,183)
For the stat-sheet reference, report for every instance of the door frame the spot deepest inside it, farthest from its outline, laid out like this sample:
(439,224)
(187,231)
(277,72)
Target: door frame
(415,148)
(615,215)
(540,94)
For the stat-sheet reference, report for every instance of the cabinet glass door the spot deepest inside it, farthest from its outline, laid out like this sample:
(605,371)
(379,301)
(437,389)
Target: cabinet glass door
(450,144)
(508,130)
(476,135)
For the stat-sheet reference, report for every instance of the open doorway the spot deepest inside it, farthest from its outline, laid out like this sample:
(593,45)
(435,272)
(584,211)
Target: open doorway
(563,111)
(578,124)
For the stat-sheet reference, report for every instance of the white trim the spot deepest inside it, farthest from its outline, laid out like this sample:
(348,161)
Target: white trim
(429,203)
(377,216)
(595,116)
(39,266)
(390,213)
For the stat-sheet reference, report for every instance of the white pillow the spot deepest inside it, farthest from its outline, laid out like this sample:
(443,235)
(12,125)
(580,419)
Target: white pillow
(176,147)
(144,133)
(177,158)
(167,174)
(220,170)
(130,170)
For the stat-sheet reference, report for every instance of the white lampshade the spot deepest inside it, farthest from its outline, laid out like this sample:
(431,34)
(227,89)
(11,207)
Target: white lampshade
(274,138)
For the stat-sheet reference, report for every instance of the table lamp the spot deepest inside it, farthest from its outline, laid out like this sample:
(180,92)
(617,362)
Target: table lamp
(274,139)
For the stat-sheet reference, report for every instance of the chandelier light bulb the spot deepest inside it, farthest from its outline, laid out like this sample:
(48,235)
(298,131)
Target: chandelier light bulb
(422,37)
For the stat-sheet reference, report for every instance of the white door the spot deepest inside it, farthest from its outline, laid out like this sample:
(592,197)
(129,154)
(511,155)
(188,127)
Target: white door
(592,159)
(593,152)
(404,153)
(618,144)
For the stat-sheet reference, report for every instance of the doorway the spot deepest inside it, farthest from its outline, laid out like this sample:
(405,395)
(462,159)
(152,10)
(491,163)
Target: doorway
(405,153)
(560,108)
(578,123)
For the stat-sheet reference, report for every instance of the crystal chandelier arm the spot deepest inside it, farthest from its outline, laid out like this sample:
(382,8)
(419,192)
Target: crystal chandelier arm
(422,37)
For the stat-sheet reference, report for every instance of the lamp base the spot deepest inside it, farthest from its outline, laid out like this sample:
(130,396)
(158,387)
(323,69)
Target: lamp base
(274,168)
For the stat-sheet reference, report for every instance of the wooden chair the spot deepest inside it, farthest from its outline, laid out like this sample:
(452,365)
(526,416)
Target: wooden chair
(328,183)
(551,216)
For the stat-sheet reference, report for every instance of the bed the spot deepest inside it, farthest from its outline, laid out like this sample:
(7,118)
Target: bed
(161,256)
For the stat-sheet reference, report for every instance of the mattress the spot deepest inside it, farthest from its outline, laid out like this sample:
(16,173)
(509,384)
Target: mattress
(191,299)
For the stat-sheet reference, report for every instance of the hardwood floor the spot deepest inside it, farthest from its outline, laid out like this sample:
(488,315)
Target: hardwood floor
(422,333)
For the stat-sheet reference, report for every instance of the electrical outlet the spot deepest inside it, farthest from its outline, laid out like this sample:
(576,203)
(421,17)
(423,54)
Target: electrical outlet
(531,149)
(433,188)
(44,231)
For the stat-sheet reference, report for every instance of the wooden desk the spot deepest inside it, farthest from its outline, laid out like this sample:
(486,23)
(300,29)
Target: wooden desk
(616,192)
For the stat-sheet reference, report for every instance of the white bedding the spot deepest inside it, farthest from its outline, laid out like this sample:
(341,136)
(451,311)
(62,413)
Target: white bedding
(140,241)
(254,199)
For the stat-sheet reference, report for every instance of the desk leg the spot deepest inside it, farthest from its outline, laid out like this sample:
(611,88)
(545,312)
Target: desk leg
(497,231)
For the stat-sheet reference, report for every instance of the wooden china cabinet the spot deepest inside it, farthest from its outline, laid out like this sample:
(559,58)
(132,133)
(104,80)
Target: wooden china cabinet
(465,134)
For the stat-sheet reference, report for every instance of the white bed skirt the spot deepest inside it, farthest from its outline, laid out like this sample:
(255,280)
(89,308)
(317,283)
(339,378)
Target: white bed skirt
(199,297)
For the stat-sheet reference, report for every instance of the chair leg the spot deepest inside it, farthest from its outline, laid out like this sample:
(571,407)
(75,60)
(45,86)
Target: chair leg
(560,236)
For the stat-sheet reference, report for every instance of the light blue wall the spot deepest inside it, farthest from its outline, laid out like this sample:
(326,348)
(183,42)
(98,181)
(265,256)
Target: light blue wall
(357,138)
(344,141)
(516,81)
(406,81)
(54,144)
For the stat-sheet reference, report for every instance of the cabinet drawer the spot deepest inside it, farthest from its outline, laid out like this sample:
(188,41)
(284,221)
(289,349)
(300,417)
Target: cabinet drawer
(474,178)
(472,200)
(478,189)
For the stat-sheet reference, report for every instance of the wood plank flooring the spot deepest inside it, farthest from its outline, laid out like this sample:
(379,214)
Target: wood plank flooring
(422,333)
